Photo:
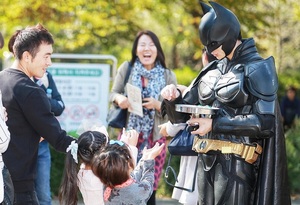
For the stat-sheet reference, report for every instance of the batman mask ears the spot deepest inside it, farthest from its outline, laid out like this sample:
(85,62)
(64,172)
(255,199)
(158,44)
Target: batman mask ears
(218,27)
(205,7)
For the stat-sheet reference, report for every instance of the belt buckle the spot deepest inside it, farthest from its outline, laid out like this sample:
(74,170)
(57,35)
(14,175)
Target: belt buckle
(200,145)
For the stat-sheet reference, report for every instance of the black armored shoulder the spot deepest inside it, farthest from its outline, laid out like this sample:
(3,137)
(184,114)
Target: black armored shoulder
(261,79)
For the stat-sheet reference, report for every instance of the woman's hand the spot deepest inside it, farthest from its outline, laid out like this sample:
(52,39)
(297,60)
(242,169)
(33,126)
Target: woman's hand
(151,103)
(182,88)
(205,125)
(170,92)
(122,101)
(163,129)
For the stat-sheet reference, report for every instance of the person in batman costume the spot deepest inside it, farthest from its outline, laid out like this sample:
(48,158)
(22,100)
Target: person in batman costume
(242,147)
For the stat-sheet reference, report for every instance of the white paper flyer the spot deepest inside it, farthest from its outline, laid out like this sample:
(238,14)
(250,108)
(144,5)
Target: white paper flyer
(135,99)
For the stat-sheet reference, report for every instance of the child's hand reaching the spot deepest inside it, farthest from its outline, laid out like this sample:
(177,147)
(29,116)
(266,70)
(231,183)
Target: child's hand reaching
(130,137)
(163,129)
(153,152)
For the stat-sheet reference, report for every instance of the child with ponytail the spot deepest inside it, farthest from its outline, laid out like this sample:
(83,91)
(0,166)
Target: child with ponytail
(78,175)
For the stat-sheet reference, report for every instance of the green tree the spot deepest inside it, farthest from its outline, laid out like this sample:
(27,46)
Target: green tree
(109,27)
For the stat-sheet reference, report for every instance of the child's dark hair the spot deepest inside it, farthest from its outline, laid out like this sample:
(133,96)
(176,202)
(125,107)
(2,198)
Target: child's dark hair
(113,164)
(89,143)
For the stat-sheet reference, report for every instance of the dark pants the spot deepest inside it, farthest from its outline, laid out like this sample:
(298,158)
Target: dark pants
(225,179)
(26,198)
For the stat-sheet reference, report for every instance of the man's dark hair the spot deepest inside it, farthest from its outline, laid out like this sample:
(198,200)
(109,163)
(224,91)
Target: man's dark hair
(292,88)
(29,39)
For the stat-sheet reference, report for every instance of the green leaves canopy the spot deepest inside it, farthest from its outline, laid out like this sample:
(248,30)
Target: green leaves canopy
(109,27)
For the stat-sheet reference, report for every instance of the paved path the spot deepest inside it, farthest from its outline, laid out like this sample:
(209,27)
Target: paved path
(173,202)
(296,201)
(158,202)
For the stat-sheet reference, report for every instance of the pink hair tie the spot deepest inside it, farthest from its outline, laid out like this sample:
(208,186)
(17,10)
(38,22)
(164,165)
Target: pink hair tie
(107,193)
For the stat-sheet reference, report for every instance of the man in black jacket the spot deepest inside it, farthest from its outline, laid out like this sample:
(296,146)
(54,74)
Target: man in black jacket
(42,181)
(29,110)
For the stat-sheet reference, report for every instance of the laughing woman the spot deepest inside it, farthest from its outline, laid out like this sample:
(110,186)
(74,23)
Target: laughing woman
(149,73)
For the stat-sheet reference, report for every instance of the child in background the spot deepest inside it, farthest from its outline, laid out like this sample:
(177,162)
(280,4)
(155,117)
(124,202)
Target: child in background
(78,175)
(123,183)
(185,177)
(187,163)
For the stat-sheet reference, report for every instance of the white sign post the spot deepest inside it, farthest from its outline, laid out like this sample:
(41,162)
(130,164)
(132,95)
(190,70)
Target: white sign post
(84,89)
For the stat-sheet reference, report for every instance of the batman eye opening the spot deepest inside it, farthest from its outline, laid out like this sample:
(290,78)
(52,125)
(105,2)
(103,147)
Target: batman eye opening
(213,44)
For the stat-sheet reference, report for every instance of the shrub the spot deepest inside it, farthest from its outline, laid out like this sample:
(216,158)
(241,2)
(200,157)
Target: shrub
(293,153)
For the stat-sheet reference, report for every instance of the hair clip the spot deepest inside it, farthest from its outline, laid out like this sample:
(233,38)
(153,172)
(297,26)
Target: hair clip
(73,147)
(120,143)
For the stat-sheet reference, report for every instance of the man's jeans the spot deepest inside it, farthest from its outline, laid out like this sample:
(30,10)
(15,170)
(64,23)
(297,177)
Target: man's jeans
(42,181)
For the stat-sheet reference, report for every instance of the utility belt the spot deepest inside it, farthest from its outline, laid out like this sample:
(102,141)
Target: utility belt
(247,152)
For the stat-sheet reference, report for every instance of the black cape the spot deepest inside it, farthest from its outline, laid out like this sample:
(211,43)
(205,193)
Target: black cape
(273,188)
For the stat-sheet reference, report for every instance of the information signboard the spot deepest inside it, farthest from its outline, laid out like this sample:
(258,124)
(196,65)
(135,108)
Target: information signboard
(84,89)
